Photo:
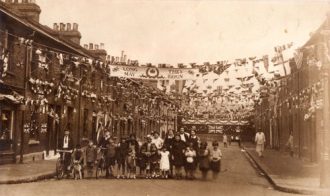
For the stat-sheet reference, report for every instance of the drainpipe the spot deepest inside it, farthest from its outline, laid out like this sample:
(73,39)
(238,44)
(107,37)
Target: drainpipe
(28,56)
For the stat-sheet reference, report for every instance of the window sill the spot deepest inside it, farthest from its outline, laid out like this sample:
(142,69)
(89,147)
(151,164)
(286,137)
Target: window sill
(11,73)
(33,142)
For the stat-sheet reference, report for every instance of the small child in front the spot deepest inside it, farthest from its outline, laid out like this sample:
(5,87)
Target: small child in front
(215,159)
(190,163)
(77,159)
(164,162)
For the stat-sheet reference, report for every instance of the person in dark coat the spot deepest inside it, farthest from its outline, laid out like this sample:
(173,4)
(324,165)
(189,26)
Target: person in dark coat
(169,138)
(183,135)
(203,154)
(133,143)
(110,157)
(121,153)
(90,157)
(178,157)
(194,139)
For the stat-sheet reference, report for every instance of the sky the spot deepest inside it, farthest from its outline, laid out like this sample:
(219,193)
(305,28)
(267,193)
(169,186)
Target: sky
(188,31)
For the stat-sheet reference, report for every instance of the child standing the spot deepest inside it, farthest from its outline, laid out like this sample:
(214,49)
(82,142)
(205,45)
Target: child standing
(149,156)
(90,157)
(215,159)
(77,159)
(190,155)
(110,157)
(131,163)
(164,161)
(204,162)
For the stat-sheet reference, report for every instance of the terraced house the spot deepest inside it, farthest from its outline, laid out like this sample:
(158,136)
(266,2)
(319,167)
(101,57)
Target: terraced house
(49,83)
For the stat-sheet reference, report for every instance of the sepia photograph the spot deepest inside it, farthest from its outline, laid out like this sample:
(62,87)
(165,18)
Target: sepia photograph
(164,97)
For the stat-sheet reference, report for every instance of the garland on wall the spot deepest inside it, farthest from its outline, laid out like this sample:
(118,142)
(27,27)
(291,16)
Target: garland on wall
(41,86)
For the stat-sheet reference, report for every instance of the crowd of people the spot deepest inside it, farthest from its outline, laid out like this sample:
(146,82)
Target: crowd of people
(176,156)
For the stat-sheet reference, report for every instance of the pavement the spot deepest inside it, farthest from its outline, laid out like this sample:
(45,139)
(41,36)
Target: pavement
(27,172)
(286,173)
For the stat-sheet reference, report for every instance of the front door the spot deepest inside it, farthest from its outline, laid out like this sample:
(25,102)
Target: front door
(6,129)
(50,134)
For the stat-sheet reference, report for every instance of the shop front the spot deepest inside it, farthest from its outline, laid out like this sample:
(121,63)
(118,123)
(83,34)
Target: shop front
(9,126)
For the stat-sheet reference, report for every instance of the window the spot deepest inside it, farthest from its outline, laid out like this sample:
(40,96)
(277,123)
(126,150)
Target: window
(70,118)
(85,125)
(34,126)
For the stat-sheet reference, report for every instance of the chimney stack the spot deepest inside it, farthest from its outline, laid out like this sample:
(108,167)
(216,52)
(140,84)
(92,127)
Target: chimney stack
(55,27)
(96,46)
(68,26)
(124,58)
(75,27)
(91,46)
(62,26)
(68,31)
(27,9)
(86,46)
(102,46)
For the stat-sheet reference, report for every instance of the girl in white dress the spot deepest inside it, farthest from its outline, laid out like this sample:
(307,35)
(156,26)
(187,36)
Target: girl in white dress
(164,161)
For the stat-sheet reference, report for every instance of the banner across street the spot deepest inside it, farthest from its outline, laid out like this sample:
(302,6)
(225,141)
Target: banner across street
(152,73)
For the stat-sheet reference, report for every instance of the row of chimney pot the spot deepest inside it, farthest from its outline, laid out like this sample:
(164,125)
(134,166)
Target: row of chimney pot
(19,1)
(92,46)
(74,27)
(61,27)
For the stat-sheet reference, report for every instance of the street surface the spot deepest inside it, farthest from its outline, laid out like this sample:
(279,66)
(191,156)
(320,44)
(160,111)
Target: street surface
(238,178)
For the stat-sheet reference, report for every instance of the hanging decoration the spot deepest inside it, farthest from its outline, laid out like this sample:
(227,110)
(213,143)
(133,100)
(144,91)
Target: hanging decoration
(4,63)
(41,87)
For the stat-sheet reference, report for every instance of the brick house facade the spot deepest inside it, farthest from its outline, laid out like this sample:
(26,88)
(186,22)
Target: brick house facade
(49,84)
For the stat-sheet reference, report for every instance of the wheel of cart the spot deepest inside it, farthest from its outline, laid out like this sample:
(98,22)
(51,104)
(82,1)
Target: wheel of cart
(61,169)
(100,165)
